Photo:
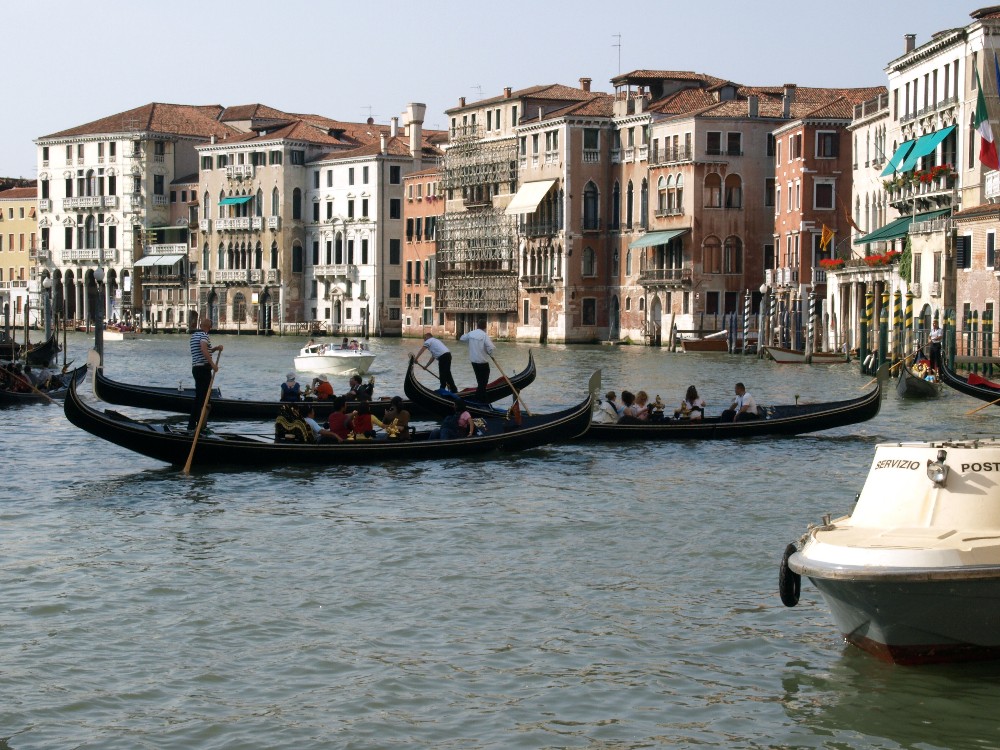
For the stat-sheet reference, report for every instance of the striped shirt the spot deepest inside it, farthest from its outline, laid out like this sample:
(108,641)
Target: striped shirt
(197,357)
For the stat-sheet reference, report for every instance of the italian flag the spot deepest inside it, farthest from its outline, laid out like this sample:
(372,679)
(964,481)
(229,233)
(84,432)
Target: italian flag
(987,147)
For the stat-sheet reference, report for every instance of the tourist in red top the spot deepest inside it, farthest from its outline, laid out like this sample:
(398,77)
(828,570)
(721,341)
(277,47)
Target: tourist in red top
(340,421)
(322,389)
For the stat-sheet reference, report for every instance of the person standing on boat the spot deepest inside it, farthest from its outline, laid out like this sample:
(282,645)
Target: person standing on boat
(481,349)
(440,353)
(202,368)
(744,407)
(936,337)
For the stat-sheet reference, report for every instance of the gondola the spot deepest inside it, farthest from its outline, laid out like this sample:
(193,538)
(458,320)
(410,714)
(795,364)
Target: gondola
(40,355)
(911,385)
(979,387)
(179,400)
(776,420)
(13,398)
(160,442)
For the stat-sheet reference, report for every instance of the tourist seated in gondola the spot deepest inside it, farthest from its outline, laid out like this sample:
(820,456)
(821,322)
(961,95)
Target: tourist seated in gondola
(692,407)
(320,434)
(743,408)
(340,420)
(457,425)
(629,410)
(358,390)
(364,424)
(607,409)
(642,406)
(396,420)
(290,389)
(321,389)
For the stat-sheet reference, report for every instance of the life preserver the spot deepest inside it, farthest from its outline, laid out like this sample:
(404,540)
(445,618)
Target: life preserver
(789,582)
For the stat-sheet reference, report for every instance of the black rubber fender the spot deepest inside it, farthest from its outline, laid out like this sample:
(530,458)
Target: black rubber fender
(789,582)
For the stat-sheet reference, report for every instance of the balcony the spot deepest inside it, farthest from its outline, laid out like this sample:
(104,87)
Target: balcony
(160,200)
(204,277)
(82,201)
(915,289)
(233,225)
(134,203)
(273,276)
(787,276)
(935,289)
(669,211)
(44,204)
(173,248)
(591,225)
(232,276)
(992,187)
(109,201)
(274,222)
(99,255)
(205,225)
(616,156)
(541,229)
(591,155)
(256,276)
(665,277)
(256,223)
(240,171)
(337,271)
(539,281)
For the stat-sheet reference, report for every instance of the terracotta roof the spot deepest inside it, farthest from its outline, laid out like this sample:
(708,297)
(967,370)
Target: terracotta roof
(253,112)
(398,146)
(182,119)
(553,91)
(19,193)
(429,172)
(299,130)
(186,180)
(976,212)
(638,76)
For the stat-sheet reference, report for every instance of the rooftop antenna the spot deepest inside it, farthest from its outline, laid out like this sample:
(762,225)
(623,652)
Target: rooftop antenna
(478,89)
(369,108)
(618,44)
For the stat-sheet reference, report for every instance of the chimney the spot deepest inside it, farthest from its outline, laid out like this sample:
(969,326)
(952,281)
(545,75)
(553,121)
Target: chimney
(909,43)
(585,84)
(213,140)
(394,127)
(461,101)
(753,105)
(414,126)
(787,99)
(506,92)
(381,145)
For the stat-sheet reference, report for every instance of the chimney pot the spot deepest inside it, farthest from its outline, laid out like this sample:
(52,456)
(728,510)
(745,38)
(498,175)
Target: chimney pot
(506,92)
(461,101)
(753,106)
(585,84)
(909,42)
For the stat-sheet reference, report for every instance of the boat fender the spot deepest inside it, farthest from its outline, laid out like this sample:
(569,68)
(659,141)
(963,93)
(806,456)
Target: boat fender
(789,582)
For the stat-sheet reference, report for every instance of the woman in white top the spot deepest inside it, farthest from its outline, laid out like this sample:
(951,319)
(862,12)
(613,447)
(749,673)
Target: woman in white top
(692,407)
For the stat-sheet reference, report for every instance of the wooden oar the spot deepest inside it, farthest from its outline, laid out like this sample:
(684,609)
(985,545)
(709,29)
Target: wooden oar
(43,394)
(517,395)
(426,368)
(201,418)
(991,403)
(889,371)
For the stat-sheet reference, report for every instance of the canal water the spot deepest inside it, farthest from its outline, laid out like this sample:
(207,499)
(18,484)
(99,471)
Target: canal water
(573,596)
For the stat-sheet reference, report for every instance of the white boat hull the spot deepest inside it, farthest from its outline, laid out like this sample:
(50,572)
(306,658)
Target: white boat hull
(336,363)
(913,574)
(793,357)
(119,335)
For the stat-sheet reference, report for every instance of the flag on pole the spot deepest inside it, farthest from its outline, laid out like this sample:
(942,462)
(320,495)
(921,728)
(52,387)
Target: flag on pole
(847,216)
(987,147)
(825,238)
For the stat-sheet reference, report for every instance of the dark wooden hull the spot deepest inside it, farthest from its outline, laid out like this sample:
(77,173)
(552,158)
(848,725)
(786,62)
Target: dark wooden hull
(179,401)
(909,385)
(11,398)
(778,420)
(40,355)
(981,391)
(218,450)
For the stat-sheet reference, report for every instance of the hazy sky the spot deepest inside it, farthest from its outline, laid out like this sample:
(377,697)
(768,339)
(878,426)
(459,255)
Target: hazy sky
(70,62)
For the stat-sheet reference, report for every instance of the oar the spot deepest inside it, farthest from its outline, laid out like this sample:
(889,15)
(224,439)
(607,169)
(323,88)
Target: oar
(28,383)
(427,368)
(517,395)
(991,403)
(201,418)
(889,371)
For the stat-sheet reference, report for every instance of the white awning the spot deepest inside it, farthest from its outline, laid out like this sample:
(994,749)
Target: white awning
(528,196)
(158,260)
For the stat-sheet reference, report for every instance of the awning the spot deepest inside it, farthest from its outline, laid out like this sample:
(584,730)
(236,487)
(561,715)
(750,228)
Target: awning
(925,145)
(898,228)
(656,238)
(235,200)
(157,260)
(168,228)
(897,158)
(528,196)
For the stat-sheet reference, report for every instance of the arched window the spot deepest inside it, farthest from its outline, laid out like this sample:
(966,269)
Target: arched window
(642,304)
(297,261)
(91,182)
(712,255)
(628,304)
(230,261)
(207,207)
(733,255)
(644,204)
(713,191)
(258,257)
(628,262)
(661,193)
(239,307)
(274,254)
(679,203)
(204,257)
(734,191)
(222,256)
(338,248)
(589,262)
(275,202)
(591,214)
(629,205)
(258,204)
(91,233)
(222,212)
(296,204)
(616,206)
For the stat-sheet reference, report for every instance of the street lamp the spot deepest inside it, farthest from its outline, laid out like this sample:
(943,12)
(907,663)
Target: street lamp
(364,326)
(47,286)
(99,315)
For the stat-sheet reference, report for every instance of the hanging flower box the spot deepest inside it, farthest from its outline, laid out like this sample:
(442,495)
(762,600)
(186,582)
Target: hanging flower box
(881,259)
(831,264)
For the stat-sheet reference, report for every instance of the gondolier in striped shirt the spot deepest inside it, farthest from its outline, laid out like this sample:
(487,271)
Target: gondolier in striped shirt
(202,368)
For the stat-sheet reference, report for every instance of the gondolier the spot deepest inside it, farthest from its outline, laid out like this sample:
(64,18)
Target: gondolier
(481,349)
(440,353)
(202,368)
(937,335)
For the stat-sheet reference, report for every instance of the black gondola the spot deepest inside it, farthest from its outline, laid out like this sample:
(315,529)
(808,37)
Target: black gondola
(13,398)
(40,355)
(159,442)
(179,400)
(911,385)
(984,390)
(775,420)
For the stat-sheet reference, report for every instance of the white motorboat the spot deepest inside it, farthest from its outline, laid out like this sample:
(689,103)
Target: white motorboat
(334,360)
(913,574)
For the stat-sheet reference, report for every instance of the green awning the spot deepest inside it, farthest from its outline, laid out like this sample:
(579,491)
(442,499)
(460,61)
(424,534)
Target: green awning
(656,238)
(897,158)
(925,145)
(899,228)
(235,200)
